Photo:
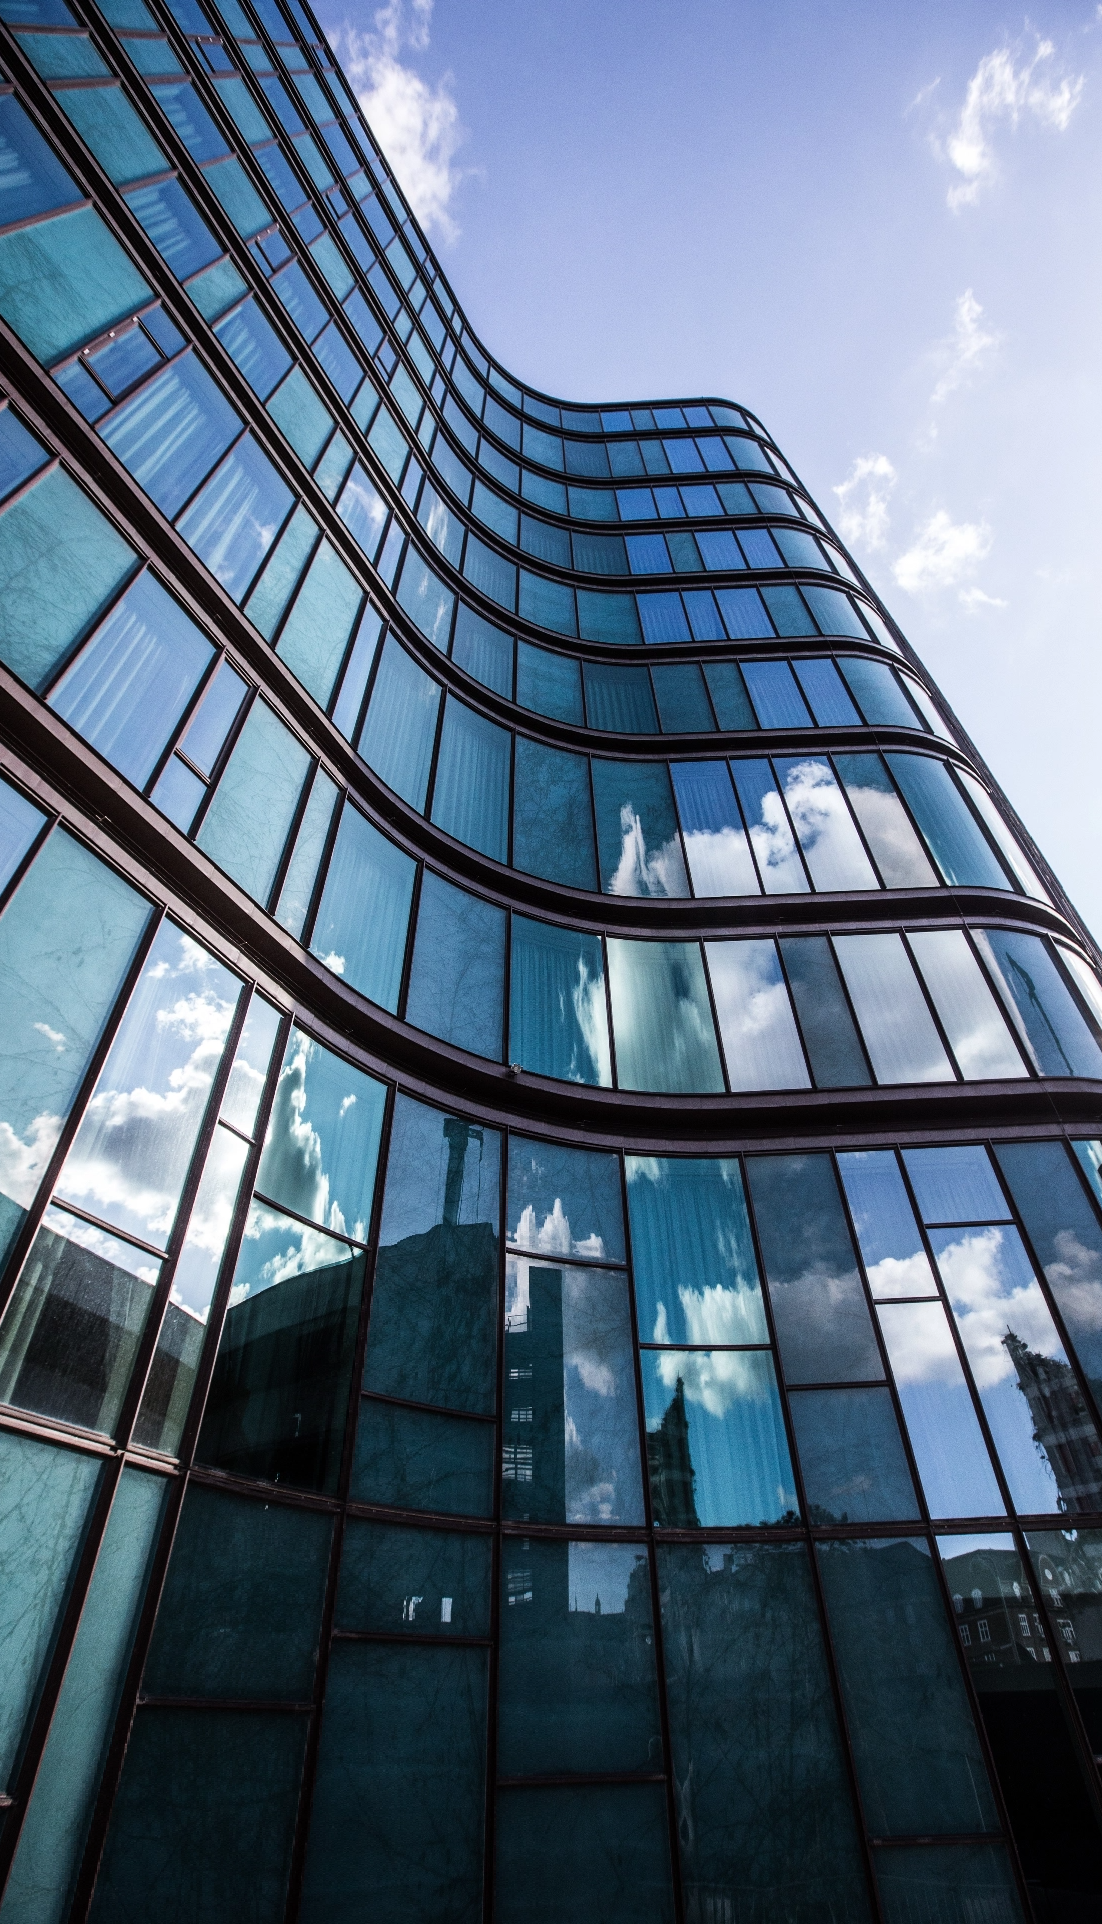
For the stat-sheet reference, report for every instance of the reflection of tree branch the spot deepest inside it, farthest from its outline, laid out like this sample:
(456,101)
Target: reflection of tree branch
(1036,1004)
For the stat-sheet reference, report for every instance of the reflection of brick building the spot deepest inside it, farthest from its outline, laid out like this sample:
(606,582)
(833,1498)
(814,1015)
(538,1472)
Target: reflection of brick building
(1062,1429)
(672,1477)
(534,1440)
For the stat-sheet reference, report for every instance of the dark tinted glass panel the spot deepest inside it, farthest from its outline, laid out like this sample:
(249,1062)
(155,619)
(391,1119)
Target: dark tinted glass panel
(421,1460)
(947,1884)
(640,851)
(682,699)
(853,1463)
(829,1031)
(822,1319)
(572,1853)
(403,1581)
(552,815)
(457,976)
(548,683)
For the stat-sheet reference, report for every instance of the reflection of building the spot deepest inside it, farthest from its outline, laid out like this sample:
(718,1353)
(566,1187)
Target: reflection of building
(672,1477)
(1062,1429)
(534,1416)
(70,1339)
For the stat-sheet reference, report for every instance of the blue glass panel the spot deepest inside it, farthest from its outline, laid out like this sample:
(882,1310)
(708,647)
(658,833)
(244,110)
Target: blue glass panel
(484,651)
(790,616)
(553,815)
(662,617)
(458,974)
(20,822)
(471,793)
(306,308)
(775,695)
(315,634)
(360,931)
(716,1447)
(703,618)
(363,510)
(825,694)
(425,599)
(558,1020)
(32,179)
(172,433)
(648,554)
(128,688)
(20,453)
(715,843)
(130,355)
(175,226)
(834,611)
(333,353)
(233,522)
(955,839)
(719,549)
(1035,992)
(635,504)
(744,614)
(251,341)
(400,728)
(186,113)
(246,826)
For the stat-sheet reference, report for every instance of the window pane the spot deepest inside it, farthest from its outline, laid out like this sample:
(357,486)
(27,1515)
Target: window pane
(484,651)
(779,865)
(948,1445)
(876,689)
(570,1448)
(20,823)
(637,839)
(716,1447)
(715,842)
(766,1825)
(888,829)
(728,692)
(830,1037)
(947,1884)
(1040,1003)
(315,634)
(822,821)
(956,1184)
(775,695)
(696,1279)
(1069,1568)
(825,693)
(367,949)
(896,1024)
(608,1841)
(956,841)
(432,1583)
(576,1686)
(761,1043)
(823,1325)
(246,826)
(433,1331)
(1067,1242)
(232,523)
(558,1019)
(682,699)
(619,699)
(919,1762)
(969,1013)
(470,797)
(60,562)
(458,974)
(400,728)
(423,1460)
(565,1202)
(548,683)
(553,816)
(895,1262)
(323,1138)
(662,1018)
(173,432)
(854,1466)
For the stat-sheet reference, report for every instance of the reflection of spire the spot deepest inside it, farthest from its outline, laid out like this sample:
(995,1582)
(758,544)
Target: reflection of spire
(1062,1427)
(672,1477)
(1038,1007)
(457,1134)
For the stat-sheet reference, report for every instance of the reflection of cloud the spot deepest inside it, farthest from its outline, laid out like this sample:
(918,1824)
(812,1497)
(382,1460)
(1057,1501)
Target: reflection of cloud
(302,1249)
(943,551)
(714,1314)
(920,1344)
(293,1156)
(999,90)
(552,1237)
(716,1379)
(990,1292)
(588,996)
(418,126)
(23,1160)
(772,840)
(863,500)
(637,872)
(902,1276)
(1076,1279)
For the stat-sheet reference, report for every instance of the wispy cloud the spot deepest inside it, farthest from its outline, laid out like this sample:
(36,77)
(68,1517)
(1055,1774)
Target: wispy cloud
(966,349)
(973,598)
(943,551)
(1001,90)
(863,501)
(417,126)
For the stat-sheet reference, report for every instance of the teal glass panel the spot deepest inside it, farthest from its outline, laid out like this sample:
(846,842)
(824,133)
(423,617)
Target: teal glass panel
(234,520)
(609,618)
(553,814)
(54,1829)
(1066,1238)
(875,687)
(60,562)
(834,611)
(360,932)
(109,125)
(558,1020)
(549,684)
(637,839)
(423,1460)
(417,1582)
(246,826)
(254,346)
(825,694)
(619,699)
(490,572)
(278,1401)
(323,1138)
(173,432)
(947,1884)
(45,1495)
(716,1448)
(919,1762)
(232,187)
(64,281)
(562,1848)
(570,1426)
(240,1612)
(20,823)
(305,420)
(315,634)
(577,1692)
(953,835)
(565,1200)
(662,1018)
(457,978)
(205,735)
(433,1331)
(67,56)
(230,1777)
(216,289)
(297,890)
(128,688)
(67,936)
(550,604)
(852,1458)
(282,572)
(397,1819)
(823,1324)
(470,797)
(696,1278)
(767,1826)
(400,728)
(682,698)
(484,651)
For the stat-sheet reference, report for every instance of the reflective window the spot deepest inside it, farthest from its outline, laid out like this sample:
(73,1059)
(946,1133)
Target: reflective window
(558,1021)
(661,1017)
(458,970)
(823,1326)
(761,1043)
(637,839)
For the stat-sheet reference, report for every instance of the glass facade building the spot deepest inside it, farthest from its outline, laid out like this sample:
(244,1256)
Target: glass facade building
(551,1147)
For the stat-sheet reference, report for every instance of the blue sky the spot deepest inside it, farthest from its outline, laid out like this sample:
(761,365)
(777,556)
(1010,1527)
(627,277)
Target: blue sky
(879,227)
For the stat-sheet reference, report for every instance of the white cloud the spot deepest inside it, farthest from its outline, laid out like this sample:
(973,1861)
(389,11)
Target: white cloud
(1000,90)
(863,500)
(417,126)
(971,598)
(963,354)
(942,553)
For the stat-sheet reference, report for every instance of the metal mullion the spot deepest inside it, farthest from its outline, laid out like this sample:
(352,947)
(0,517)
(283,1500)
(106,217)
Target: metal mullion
(410,941)
(931,1005)
(658,1645)
(177,734)
(251,695)
(492,1674)
(29,1228)
(37,844)
(721,1051)
(308,1777)
(811,1554)
(318,886)
(272,902)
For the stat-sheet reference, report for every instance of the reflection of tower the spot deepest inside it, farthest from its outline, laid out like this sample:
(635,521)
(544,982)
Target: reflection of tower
(672,1477)
(534,1457)
(1062,1427)
(457,1135)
